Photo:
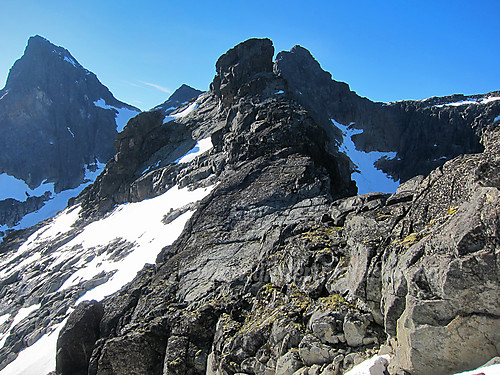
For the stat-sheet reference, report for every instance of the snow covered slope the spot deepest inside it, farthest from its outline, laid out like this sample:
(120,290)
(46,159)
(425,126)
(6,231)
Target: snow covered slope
(74,262)
(12,188)
(367,176)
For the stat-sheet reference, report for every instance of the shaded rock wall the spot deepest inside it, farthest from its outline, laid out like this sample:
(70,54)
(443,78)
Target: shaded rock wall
(49,125)
(424,133)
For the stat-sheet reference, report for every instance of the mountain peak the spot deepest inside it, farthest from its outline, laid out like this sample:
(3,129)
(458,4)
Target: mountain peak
(38,39)
(183,94)
(40,60)
(50,94)
(39,47)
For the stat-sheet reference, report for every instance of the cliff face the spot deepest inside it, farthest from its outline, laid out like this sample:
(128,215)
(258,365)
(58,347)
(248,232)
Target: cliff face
(424,134)
(57,125)
(266,260)
(51,126)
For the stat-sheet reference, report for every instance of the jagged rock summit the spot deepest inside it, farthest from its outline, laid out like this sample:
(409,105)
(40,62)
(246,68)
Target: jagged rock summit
(48,93)
(58,124)
(226,238)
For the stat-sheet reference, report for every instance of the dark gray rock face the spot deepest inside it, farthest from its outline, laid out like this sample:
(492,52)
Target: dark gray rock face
(424,133)
(49,125)
(274,168)
(12,211)
(272,274)
(76,341)
(446,275)
(248,62)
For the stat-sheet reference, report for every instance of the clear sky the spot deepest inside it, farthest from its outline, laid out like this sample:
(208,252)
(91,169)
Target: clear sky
(385,50)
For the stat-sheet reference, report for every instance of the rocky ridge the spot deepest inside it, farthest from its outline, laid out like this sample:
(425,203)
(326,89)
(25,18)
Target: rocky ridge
(423,133)
(179,97)
(280,269)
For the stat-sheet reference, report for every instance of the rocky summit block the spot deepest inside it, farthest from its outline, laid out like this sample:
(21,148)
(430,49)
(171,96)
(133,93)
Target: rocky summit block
(246,62)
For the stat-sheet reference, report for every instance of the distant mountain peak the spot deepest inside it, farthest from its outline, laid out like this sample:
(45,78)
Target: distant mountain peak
(183,94)
(56,120)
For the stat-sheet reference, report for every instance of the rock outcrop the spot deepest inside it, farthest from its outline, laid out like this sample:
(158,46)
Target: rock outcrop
(76,341)
(12,210)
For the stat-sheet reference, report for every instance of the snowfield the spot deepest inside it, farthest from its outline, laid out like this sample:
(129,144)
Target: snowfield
(469,101)
(201,147)
(140,224)
(368,178)
(122,115)
(139,230)
(11,187)
(181,114)
(39,358)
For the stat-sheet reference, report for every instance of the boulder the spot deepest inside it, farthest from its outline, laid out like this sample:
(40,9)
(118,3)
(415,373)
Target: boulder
(354,327)
(76,340)
(288,364)
(312,351)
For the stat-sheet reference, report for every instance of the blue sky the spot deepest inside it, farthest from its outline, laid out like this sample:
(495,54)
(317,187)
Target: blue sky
(385,50)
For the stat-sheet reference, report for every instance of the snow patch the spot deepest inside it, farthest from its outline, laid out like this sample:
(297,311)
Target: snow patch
(141,224)
(4,318)
(372,366)
(23,313)
(3,338)
(60,224)
(488,370)
(20,316)
(4,95)
(39,358)
(70,132)
(66,58)
(11,187)
(469,101)
(122,115)
(70,60)
(368,178)
(181,114)
(201,147)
